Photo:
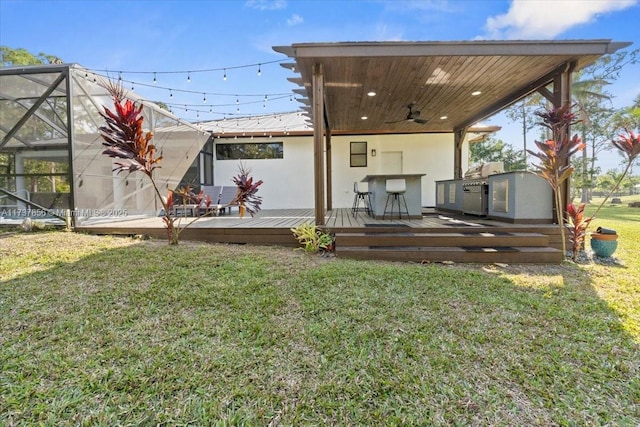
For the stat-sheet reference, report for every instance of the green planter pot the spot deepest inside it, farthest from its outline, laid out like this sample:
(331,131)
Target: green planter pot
(604,245)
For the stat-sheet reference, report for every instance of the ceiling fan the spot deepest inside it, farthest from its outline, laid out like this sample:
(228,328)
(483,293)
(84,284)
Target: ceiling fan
(412,116)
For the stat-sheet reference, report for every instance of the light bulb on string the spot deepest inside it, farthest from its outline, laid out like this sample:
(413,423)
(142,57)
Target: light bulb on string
(204,97)
(170,94)
(189,77)
(237,100)
(224,77)
(259,70)
(155,78)
(119,76)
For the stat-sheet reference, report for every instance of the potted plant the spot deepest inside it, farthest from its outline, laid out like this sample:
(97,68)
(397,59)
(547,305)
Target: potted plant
(247,188)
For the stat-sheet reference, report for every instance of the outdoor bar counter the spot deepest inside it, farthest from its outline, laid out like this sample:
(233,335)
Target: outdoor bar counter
(413,194)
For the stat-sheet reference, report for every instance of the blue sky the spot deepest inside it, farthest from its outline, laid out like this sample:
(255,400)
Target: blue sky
(169,36)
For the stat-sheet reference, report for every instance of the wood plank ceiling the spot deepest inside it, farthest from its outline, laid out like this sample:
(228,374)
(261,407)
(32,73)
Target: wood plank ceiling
(437,78)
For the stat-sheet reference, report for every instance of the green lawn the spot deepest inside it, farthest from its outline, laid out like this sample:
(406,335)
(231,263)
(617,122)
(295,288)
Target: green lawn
(115,331)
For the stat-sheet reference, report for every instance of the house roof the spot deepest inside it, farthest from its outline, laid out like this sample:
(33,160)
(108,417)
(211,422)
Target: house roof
(437,79)
(290,123)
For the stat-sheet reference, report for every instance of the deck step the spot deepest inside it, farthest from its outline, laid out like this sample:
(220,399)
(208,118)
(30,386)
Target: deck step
(474,254)
(458,239)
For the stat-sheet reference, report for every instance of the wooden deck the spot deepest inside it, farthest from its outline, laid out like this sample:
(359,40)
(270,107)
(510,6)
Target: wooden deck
(435,237)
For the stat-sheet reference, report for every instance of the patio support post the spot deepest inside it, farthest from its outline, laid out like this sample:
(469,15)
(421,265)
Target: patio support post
(318,133)
(562,96)
(458,138)
(329,171)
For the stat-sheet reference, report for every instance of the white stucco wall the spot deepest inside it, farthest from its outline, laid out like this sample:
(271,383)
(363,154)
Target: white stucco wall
(288,182)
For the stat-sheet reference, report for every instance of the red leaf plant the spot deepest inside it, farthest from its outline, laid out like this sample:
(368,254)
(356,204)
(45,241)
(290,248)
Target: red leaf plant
(629,145)
(578,227)
(554,155)
(124,138)
(247,189)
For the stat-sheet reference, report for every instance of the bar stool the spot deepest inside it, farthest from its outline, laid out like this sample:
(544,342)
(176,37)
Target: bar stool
(359,196)
(395,189)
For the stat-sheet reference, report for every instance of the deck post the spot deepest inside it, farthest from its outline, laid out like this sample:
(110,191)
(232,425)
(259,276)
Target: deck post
(318,134)
(458,138)
(329,171)
(562,96)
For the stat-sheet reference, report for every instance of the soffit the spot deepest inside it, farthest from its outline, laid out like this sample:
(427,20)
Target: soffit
(437,77)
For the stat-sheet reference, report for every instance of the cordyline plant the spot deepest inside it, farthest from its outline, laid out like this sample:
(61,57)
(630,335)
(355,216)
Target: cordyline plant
(125,140)
(554,155)
(578,224)
(629,145)
(247,189)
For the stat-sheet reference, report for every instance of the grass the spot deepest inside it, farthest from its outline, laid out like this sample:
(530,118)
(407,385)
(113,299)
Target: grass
(115,331)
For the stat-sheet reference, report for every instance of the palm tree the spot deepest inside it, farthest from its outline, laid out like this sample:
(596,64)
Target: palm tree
(587,96)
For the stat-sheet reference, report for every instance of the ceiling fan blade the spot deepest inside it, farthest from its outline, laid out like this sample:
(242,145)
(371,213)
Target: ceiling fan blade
(420,121)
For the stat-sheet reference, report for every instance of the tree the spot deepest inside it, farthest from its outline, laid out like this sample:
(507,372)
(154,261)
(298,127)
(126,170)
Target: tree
(588,88)
(522,112)
(492,150)
(21,56)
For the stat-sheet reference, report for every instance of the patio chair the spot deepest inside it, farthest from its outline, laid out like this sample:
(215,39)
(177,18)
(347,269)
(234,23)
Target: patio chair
(395,194)
(360,196)
(213,191)
(226,200)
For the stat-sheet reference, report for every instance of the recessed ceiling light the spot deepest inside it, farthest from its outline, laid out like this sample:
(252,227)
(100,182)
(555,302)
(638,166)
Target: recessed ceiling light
(476,93)
(364,117)
(444,117)
(372,93)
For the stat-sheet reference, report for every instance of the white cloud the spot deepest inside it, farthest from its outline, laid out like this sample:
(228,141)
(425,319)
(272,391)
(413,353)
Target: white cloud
(266,4)
(544,19)
(295,20)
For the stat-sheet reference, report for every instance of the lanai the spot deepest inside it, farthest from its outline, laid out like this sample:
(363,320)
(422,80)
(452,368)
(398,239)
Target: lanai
(440,78)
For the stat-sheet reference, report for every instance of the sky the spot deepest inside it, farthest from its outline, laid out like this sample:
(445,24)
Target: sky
(189,47)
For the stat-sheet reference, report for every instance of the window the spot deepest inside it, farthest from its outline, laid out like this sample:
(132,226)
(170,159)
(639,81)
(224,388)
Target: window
(250,150)
(358,154)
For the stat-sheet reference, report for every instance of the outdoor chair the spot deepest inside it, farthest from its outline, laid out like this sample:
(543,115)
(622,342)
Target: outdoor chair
(395,189)
(360,196)
(226,200)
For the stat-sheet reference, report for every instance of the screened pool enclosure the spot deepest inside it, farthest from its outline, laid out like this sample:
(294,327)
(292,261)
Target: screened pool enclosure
(51,161)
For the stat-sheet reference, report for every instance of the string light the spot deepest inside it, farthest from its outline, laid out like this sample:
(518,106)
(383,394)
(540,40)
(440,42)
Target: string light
(155,79)
(170,94)
(189,77)
(259,70)
(225,75)
(204,98)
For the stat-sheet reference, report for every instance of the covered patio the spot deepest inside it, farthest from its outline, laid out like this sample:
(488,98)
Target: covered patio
(373,88)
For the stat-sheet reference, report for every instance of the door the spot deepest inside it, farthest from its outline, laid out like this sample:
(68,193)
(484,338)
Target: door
(391,162)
